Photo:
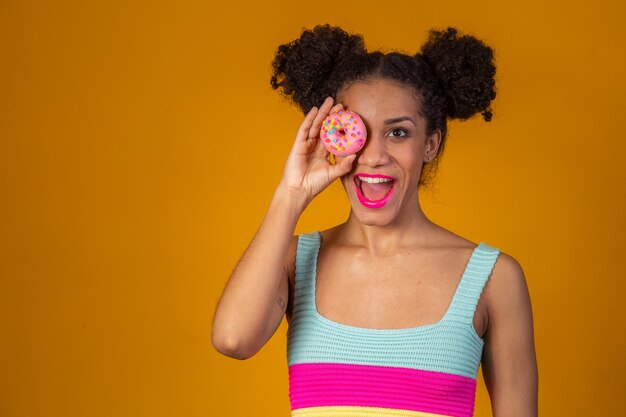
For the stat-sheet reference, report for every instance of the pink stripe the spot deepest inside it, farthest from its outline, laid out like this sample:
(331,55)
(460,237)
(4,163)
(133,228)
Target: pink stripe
(328,384)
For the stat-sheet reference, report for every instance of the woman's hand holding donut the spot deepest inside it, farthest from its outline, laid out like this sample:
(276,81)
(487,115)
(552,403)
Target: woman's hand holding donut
(308,170)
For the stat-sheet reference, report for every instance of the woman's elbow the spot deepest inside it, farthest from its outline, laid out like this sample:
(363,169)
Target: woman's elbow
(231,347)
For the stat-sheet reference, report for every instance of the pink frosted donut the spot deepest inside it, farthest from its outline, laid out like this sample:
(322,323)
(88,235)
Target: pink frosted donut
(343,133)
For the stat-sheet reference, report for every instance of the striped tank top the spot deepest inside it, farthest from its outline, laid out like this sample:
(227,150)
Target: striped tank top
(347,371)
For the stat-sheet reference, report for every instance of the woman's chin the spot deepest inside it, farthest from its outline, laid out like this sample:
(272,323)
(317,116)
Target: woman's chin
(373,217)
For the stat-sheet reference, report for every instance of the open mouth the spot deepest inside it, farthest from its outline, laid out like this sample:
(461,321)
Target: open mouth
(374,190)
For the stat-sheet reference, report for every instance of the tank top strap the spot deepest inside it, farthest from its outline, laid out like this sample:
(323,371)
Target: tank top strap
(306,253)
(306,265)
(477,272)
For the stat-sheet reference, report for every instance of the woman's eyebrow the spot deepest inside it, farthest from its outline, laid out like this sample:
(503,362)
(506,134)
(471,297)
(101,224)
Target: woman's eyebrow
(399,119)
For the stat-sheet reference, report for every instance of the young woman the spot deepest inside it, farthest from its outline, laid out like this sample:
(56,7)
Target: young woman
(389,313)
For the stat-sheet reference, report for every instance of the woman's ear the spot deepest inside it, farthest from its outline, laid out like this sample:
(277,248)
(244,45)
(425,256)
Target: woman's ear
(432,144)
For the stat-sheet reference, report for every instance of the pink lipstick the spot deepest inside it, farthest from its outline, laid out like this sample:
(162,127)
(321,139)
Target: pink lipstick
(376,183)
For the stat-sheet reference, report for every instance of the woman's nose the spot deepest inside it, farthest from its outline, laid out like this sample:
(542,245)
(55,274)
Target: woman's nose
(374,153)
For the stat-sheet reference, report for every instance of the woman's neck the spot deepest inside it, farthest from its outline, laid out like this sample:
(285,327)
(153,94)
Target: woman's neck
(413,229)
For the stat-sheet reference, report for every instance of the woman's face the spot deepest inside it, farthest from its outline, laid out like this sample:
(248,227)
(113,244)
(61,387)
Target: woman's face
(382,185)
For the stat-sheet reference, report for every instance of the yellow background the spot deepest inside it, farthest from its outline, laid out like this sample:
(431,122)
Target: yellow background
(141,144)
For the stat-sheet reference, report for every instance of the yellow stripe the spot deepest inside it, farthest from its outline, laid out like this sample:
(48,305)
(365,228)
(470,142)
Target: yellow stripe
(353,411)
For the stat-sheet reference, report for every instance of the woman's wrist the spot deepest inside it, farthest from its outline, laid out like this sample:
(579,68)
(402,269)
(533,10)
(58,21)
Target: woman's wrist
(295,201)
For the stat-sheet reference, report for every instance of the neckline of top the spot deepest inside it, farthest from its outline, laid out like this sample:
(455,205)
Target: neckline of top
(481,247)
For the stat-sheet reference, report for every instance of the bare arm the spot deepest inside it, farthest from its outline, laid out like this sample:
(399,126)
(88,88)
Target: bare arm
(509,360)
(256,296)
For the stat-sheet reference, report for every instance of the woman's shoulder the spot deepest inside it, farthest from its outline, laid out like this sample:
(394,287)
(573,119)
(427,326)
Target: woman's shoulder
(506,291)
(507,275)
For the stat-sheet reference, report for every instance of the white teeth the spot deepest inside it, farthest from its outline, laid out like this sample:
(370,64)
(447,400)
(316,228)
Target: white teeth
(371,180)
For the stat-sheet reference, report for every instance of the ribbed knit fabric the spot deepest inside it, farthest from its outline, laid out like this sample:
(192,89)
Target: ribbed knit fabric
(347,371)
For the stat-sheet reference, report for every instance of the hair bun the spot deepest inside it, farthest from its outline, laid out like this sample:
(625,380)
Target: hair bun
(465,69)
(303,67)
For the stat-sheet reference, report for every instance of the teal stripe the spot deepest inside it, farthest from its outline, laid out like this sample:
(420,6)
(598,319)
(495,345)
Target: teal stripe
(450,345)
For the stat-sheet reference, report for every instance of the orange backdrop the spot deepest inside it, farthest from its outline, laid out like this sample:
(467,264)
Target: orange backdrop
(140,144)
